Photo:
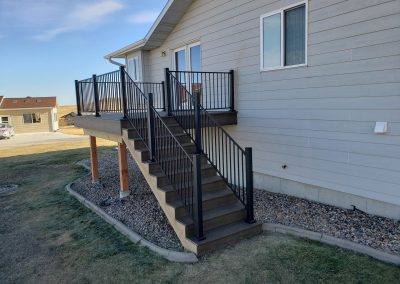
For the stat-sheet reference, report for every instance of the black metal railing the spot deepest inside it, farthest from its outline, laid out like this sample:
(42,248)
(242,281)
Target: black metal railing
(85,95)
(182,169)
(233,163)
(216,89)
(157,89)
(109,91)
(102,93)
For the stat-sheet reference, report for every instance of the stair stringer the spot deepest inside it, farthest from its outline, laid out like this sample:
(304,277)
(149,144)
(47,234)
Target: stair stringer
(170,211)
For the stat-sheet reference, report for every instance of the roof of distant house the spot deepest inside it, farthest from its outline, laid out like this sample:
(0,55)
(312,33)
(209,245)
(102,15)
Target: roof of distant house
(1,98)
(28,102)
(71,114)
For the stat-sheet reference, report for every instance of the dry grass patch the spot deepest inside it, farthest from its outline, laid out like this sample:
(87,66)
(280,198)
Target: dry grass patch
(49,237)
(80,142)
(71,130)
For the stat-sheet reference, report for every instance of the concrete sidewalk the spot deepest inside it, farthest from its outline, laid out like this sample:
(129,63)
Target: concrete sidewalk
(29,139)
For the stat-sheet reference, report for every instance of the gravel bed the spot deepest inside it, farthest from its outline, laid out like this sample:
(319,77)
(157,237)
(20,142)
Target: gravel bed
(7,188)
(357,226)
(140,211)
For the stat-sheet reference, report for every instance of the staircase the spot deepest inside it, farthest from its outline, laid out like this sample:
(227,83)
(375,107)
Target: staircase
(208,203)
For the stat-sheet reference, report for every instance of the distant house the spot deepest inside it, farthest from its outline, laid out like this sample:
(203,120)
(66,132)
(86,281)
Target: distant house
(67,119)
(30,114)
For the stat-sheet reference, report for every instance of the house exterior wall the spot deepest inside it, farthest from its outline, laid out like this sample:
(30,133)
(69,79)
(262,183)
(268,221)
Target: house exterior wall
(138,54)
(17,120)
(54,119)
(318,120)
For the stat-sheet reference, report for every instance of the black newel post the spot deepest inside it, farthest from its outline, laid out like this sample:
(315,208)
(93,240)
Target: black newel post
(163,95)
(151,127)
(78,98)
(197,123)
(123,92)
(249,185)
(96,96)
(167,92)
(198,198)
(232,87)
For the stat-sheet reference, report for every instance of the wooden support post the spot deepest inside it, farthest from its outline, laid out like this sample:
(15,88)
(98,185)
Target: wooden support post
(93,159)
(123,171)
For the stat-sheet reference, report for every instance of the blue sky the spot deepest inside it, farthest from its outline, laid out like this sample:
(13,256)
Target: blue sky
(46,44)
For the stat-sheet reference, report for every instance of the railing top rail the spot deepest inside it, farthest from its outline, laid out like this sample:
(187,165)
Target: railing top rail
(89,80)
(108,73)
(156,83)
(201,72)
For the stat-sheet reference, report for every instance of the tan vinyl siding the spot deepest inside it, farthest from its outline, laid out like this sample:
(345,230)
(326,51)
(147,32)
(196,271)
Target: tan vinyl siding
(17,120)
(319,119)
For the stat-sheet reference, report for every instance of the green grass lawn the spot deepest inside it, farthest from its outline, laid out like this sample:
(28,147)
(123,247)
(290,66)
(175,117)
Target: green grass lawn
(46,236)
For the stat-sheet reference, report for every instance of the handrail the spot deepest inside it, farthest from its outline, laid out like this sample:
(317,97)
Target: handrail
(232,162)
(183,171)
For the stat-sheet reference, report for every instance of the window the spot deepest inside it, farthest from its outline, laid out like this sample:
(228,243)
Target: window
(32,118)
(4,119)
(284,38)
(188,58)
(133,68)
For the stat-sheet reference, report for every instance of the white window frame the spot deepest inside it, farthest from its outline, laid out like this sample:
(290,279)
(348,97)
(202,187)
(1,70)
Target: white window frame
(32,115)
(138,72)
(187,48)
(282,13)
(8,119)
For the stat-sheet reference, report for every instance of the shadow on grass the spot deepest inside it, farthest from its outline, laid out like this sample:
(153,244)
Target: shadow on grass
(48,236)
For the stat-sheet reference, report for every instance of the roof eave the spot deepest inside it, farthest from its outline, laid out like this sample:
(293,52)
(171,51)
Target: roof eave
(120,53)
(147,43)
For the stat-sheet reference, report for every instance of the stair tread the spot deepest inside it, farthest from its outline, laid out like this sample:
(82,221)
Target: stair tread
(167,123)
(204,181)
(158,137)
(144,149)
(161,174)
(225,231)
(216,212)
(206,196)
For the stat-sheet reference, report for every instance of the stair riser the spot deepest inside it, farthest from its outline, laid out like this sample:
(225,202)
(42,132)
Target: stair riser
(218,222)
(146,155)
(169,120)
(140,143)
(219,202)
(209,204)
(208,187)
(132,133)
(173,195)
(155,168)
(231,239)
(163,181)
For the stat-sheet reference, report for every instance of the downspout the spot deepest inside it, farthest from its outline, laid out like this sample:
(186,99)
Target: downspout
(115,62)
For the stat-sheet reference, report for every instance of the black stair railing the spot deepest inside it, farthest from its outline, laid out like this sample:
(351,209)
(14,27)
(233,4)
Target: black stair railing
(232,162)
(182,169)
